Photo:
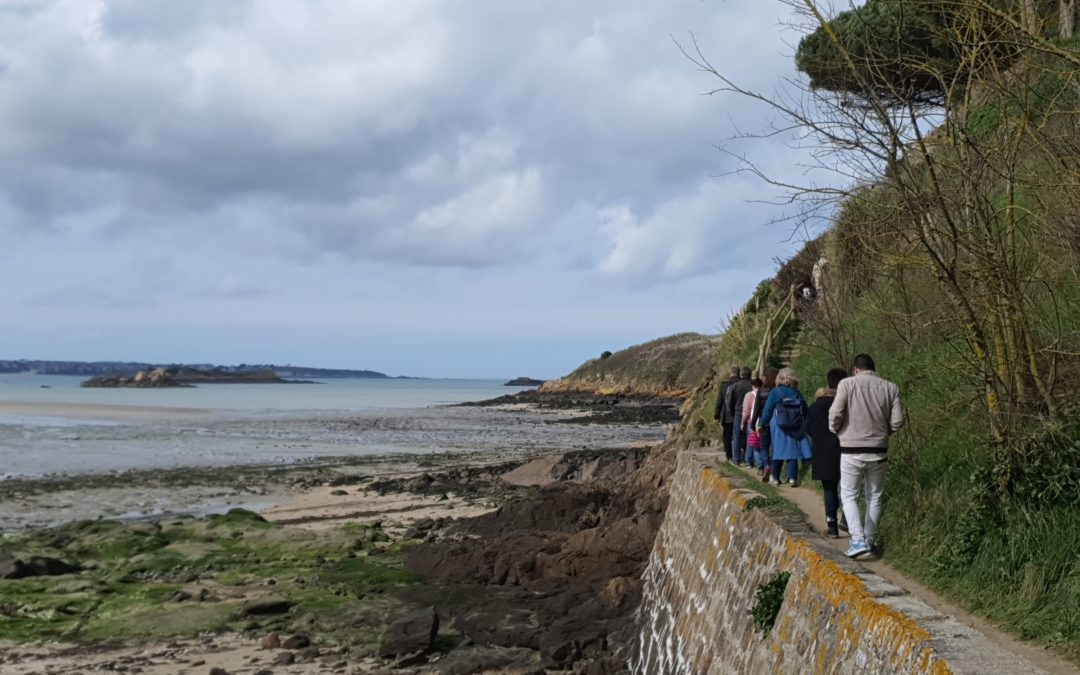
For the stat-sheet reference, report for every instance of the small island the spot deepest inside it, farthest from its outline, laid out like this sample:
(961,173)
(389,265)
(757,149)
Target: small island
(160,378)
(523,382)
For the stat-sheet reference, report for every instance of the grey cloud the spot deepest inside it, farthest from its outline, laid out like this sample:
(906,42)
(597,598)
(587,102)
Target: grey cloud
(231,287)
(81,295)
(165,19)
(430,134)
(78,294)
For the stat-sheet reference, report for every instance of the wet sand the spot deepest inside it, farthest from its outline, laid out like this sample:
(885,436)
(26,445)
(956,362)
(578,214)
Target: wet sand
(68,439)
(324,507)
(76,461)
(98,411)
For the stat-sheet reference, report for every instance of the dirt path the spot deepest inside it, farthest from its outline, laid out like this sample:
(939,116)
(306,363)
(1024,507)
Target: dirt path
(810,503)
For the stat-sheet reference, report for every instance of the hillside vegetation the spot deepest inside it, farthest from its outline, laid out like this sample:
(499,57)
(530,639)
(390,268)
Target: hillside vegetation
(953,259)
(670,366)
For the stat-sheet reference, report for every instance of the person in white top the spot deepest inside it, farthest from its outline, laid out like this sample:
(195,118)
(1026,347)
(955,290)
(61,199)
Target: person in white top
(753,440)
(864,414)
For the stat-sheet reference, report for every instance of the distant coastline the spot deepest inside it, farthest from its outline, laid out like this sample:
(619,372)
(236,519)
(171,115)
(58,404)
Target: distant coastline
(130,368)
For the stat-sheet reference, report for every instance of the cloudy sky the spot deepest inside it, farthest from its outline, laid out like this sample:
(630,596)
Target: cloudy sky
(422,187)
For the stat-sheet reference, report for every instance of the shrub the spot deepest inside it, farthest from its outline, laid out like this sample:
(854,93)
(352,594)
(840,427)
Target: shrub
(768,600)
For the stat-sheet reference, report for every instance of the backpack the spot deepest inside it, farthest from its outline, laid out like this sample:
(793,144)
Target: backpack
(789,416)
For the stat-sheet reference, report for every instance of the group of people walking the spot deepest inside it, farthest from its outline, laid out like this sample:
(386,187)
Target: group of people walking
(768,424)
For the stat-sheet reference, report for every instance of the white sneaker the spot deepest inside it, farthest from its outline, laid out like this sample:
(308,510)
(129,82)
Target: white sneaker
(857,549)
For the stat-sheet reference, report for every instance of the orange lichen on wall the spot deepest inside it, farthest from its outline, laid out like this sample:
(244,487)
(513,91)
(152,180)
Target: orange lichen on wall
(711,556)
(859,612)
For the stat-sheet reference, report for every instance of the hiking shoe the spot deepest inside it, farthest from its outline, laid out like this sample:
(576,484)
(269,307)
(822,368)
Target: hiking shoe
(795,482)
(857,549)
(765,476)
(831,531)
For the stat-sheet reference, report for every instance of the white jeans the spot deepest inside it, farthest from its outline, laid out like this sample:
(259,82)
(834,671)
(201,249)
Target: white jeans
(854,470)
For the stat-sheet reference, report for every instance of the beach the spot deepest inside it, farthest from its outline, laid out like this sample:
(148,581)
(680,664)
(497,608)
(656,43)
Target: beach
(362,483)
(122,461)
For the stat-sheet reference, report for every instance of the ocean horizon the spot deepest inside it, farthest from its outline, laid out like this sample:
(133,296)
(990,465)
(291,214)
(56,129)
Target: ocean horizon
(329,396)
(51,425)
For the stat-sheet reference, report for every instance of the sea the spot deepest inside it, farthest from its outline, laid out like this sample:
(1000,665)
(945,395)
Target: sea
(330,395)
(51,426)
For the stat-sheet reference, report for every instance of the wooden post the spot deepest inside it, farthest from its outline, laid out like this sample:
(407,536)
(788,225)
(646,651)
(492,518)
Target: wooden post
(767,340)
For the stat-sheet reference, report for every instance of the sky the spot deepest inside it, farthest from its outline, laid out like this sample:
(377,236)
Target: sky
(443,188)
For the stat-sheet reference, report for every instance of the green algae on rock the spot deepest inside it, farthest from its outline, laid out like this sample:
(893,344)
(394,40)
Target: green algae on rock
(185,576)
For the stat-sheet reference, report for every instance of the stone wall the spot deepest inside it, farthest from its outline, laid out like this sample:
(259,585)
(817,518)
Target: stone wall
(710,557)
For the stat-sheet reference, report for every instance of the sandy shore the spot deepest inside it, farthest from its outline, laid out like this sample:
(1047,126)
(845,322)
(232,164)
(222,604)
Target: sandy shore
(326,507)
(77,439)
(99,411)
(128,462)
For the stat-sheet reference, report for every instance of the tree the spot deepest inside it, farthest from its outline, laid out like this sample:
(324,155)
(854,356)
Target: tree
(907,51)
(895,48)
(1066,18)
(962,145)
(1030,17)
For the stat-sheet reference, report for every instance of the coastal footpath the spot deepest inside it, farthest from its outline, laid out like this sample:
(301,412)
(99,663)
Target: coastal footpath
(702,597)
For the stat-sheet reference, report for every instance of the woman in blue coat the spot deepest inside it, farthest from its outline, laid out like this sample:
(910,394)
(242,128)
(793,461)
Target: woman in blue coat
(785,414)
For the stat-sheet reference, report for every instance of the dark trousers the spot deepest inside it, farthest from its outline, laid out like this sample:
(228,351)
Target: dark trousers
(831,490)
(792,468)
(729,429)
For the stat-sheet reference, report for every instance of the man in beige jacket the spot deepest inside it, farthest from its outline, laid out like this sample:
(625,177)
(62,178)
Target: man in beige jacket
(865,413)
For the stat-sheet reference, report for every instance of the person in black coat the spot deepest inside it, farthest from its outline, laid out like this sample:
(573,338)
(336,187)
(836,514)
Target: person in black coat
(733,401)
(826,457)
(723,414)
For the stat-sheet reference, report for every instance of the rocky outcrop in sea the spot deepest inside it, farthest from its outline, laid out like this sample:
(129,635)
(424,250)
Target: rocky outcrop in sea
(158,378)
(183,377)
(523,382)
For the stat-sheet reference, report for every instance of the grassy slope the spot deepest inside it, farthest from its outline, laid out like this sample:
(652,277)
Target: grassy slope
(1012,556)
(670,366)
(739,345)
(1015,563)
